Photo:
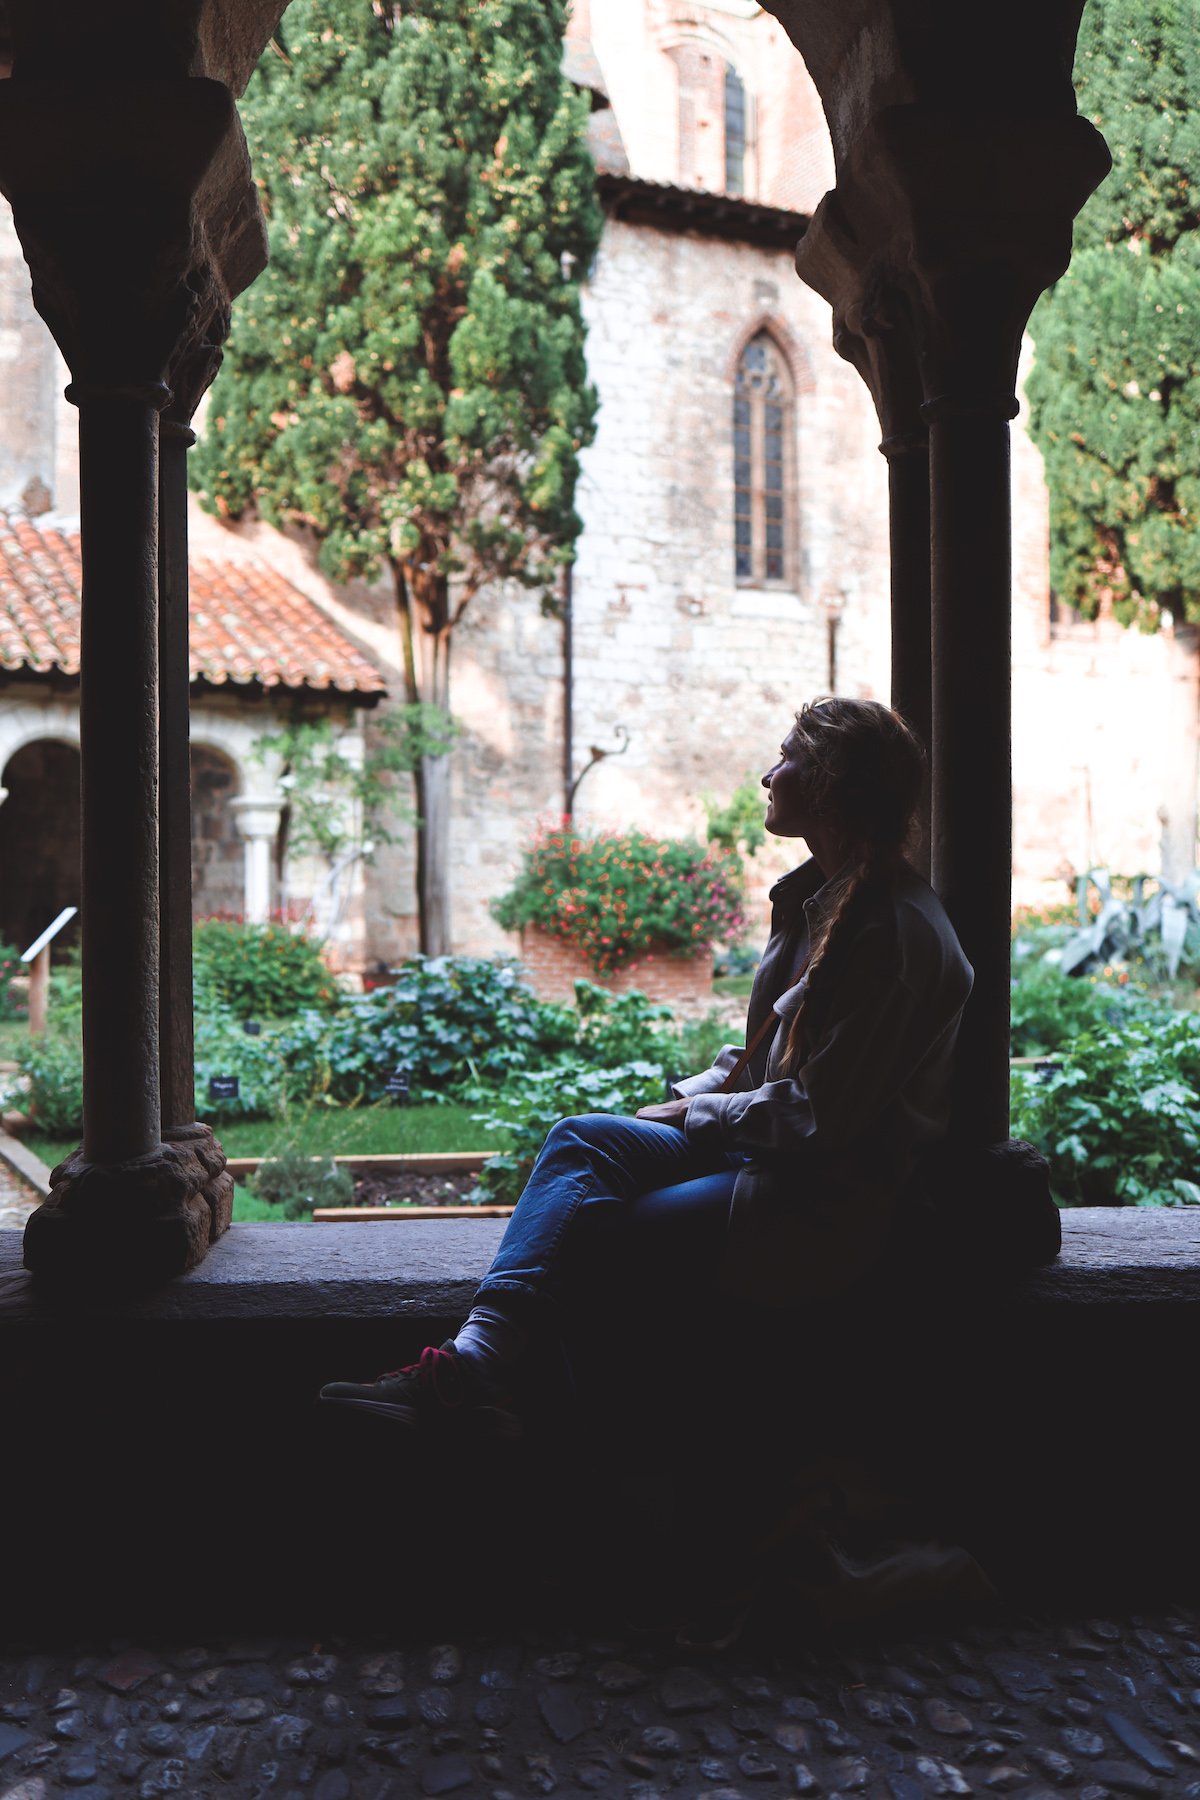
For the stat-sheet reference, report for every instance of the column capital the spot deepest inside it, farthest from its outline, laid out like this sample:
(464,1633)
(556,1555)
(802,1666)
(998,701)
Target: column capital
(942,231)
(138,216)
(257,815)
(872,324)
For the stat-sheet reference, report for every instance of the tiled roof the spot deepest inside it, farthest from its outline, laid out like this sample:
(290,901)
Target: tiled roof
(247,623)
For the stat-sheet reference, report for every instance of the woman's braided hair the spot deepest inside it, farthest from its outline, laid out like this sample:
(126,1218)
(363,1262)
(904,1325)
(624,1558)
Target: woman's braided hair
(867,769)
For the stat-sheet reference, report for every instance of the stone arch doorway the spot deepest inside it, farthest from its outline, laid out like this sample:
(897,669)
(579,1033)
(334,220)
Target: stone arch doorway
(218,856)
(39,842)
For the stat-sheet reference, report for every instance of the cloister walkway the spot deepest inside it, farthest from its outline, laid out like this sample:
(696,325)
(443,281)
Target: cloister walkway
(1096,1707)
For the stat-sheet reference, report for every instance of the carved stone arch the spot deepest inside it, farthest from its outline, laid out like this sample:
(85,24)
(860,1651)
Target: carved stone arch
(39,819)
(795,354)
(235,829)
(26,722)
(688,28)
(234,738)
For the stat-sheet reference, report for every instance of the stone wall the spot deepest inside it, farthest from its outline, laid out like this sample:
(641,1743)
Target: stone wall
(643,47)
(1104,724)
(704,674)
(218,857)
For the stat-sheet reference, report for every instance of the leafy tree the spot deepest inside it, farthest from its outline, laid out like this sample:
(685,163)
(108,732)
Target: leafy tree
(407,379)
(737,826)
(1115,391)
(339,808)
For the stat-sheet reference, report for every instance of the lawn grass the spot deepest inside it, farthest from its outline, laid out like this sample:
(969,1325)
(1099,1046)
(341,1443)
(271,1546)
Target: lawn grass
(333,1131)
(358,1131)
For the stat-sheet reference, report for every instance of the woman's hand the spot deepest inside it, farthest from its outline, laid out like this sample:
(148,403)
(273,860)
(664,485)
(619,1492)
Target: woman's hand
(667,1112)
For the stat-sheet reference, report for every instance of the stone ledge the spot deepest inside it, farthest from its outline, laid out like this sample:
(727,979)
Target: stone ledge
(1043,1421)
(1111,1256)
(296,1272)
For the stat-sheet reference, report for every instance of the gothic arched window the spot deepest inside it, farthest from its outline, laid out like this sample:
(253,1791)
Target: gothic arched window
(761,463)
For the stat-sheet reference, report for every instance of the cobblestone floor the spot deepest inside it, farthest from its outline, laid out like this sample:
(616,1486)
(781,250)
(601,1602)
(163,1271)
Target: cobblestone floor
(1095,1708)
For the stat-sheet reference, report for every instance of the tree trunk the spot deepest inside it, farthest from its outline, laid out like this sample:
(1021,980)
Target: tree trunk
(426,630)
(433,856)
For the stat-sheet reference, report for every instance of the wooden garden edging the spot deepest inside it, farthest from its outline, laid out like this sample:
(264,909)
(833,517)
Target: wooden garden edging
(376,1215)
(430,1162)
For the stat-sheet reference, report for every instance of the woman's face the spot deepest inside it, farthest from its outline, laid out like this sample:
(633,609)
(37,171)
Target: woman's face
(789,787)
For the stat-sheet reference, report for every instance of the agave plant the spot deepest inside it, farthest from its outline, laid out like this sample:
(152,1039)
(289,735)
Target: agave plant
(1124,925)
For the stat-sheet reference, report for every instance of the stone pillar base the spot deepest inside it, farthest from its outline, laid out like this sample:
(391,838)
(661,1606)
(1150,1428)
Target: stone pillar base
(136,1223)
(983,1211)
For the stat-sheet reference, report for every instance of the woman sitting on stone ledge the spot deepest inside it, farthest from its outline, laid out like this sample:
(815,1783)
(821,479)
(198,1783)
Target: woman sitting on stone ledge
(775,1174)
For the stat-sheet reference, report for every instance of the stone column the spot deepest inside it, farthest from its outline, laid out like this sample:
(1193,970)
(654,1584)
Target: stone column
(191,372)
(135,209)
(912,627)
(873,330)
(943,230)
(176,1053)
(972,733)
(258,823)
(118,736)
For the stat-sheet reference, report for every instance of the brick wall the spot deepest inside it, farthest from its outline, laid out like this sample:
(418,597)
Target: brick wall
(553,966)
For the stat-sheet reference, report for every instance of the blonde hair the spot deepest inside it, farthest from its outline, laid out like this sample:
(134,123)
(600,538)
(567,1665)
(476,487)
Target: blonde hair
(866,768)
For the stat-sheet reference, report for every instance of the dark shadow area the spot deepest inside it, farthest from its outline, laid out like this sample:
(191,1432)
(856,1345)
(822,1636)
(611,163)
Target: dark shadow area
(175,1475)
(218,852)
(39,842)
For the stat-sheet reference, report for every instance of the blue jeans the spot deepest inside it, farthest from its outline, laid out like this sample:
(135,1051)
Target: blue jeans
(609,1193)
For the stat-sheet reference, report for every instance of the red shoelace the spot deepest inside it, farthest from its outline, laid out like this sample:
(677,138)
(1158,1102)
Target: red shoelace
(429,1369)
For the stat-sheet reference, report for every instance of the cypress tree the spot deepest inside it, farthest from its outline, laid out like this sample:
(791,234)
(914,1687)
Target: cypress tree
(1115,390)
(407,379)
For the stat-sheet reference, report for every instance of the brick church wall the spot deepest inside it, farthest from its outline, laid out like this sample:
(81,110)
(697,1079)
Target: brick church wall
(684,983)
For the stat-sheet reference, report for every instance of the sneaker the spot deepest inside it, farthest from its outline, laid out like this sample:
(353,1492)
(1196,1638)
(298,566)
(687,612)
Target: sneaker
(439,1392)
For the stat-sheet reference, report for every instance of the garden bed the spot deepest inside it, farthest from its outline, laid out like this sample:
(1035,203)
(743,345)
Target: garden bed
(374,1189)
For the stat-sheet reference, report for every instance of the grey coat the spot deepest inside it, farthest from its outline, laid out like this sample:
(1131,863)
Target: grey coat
(830,1148)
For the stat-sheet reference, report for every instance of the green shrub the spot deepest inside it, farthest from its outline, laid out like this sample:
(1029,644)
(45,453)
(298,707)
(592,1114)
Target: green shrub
(66,992)
(618,896)
(258,971)
(453,1022)
(12,1006)
(699,1040)
(526,1109)
(54,1067)
(266,1075)
(1050,1009)
(1118,1119)
(295,1182)
(621,1028)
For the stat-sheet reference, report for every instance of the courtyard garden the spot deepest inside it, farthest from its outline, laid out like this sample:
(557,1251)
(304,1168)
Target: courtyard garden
(458,1054)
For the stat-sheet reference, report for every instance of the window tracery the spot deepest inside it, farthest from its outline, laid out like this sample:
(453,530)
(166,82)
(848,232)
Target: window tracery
(762,506)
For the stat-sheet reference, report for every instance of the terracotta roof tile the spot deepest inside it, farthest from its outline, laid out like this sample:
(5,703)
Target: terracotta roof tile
(247,623)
